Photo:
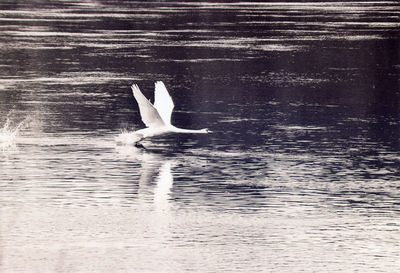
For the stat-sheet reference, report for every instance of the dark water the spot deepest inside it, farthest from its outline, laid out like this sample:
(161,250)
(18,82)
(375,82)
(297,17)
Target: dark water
(300,175)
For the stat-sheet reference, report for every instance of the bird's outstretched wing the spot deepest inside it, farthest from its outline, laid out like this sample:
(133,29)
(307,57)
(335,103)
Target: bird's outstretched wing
(163,102)
(150,116)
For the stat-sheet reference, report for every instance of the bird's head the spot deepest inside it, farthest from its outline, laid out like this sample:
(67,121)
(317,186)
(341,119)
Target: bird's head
(206,131)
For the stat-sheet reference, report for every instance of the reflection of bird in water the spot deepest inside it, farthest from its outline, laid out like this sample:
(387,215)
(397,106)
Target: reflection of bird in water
(154,197)
(164,184)
(156,181)
(156,176)
(157,117)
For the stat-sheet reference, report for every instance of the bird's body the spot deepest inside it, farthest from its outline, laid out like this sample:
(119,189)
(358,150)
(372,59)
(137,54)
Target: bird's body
(167,129)
(157,117)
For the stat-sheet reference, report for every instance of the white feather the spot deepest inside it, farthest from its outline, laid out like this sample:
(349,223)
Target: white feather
(163,102)
(150,115)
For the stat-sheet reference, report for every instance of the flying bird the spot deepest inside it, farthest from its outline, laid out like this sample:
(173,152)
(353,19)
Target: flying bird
(157,117)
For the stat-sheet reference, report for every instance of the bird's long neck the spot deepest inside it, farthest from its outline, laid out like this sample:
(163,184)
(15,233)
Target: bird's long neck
(189,131)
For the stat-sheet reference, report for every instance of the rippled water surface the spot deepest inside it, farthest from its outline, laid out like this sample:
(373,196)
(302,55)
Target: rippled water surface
(300,174)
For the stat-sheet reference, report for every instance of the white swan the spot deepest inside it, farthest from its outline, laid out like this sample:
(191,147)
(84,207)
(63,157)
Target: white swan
(157,117)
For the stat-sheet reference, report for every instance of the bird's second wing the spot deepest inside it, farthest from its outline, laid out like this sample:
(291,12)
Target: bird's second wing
(150,116)
(163,102)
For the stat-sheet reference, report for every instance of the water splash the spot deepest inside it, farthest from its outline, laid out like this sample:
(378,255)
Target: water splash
(126,138)
(9,133)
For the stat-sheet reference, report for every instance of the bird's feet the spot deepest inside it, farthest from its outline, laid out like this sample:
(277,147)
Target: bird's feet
(139,145)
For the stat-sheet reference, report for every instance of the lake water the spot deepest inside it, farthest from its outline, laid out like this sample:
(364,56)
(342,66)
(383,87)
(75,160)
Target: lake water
(300,174)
